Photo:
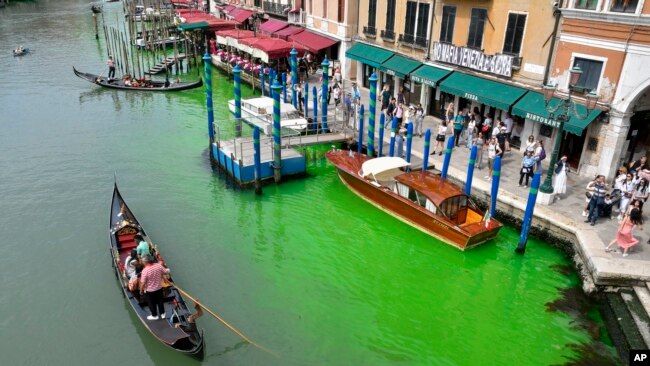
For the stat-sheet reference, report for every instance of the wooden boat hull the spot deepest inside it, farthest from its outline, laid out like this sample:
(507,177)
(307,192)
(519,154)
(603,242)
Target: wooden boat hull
(176,331)
(156,86)
(412,214)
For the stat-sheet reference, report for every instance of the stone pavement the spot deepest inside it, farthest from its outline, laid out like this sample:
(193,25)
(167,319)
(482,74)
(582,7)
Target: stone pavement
(564,216)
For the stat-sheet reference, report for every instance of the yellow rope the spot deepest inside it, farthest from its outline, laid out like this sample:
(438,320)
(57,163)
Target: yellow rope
(248,340)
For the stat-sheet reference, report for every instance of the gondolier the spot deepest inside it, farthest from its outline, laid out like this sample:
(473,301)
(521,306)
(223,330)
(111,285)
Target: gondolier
(111,67)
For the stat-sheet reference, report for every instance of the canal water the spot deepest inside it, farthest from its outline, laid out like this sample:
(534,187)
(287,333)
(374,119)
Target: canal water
(307,270)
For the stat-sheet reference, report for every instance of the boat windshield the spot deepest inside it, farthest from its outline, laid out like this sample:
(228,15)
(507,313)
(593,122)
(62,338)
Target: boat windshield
(415,196)
(455,208)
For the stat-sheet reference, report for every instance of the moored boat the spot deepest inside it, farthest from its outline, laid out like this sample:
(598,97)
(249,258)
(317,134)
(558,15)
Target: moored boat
(259,112)
(160,86)
(178,330)
(20,51)
(421,199)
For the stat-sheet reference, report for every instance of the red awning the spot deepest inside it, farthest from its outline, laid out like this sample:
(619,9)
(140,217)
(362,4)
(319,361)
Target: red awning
(273,47)
(228,8)
(240,15)
(286,32)
(235,33)
(311,41)
(273,25)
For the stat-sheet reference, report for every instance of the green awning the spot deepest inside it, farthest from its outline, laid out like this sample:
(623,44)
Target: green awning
(369,55)
(399,66)
(429,75)
(193,26)
(481,90)
(532,106)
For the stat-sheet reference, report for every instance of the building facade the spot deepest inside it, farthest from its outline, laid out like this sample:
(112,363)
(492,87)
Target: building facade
(610,41)
(479,55)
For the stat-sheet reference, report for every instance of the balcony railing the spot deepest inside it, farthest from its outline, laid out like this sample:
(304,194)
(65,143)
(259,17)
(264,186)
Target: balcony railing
(388,35)
(275,8)
(413,41)
(370,31)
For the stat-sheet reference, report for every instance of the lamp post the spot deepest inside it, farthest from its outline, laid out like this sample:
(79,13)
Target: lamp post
(563,109)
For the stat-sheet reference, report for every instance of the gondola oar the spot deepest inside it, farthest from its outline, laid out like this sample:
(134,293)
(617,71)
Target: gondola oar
(240,334)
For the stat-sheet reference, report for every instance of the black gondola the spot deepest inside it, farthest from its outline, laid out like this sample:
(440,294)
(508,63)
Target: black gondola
(160,86)
(178,330)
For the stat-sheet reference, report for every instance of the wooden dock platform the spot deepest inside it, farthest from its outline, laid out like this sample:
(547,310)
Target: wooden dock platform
(160,67)
(237,156)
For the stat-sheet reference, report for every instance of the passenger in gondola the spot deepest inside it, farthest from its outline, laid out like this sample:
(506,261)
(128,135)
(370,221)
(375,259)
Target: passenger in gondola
(130,263)
(152,281)
(143,246)
(135,285)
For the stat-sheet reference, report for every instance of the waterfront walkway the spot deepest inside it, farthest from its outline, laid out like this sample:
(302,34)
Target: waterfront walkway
(563,217)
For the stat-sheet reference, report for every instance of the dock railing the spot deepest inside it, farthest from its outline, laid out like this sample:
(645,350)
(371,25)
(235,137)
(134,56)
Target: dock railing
(240,145)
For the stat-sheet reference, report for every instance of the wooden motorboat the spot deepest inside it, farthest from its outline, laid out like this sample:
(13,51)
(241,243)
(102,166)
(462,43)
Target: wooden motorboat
(178,330)
(20,51)
(421,199)
(259,112)
(160,86)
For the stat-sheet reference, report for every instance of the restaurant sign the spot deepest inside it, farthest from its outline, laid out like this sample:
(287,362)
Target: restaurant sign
(543,120)
(473,59)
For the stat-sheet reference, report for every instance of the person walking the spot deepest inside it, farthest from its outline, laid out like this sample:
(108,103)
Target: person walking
(487,126)
(540,154)
(347,108)
(419,119)
(527,167)
(385,97)
(530,144)
(509,122)
(624,237)
(459,121)
(471,130)
(399,113)
(449,113)
(152,280)
(627,190)
(440,138)
(559,180)
(480,143)
(598,189)
(111,67)
(493,151)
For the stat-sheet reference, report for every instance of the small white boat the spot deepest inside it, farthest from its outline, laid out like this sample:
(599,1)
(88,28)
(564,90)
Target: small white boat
(259,112)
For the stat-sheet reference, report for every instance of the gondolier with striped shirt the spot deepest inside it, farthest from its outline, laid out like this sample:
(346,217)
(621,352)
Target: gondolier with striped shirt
(111,67)
(152,280)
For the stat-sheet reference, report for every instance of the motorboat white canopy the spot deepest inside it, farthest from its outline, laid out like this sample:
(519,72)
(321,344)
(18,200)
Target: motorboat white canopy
(383,168)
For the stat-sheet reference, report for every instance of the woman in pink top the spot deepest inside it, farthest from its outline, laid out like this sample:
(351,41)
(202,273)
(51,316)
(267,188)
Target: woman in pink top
(151,281)
(624,236)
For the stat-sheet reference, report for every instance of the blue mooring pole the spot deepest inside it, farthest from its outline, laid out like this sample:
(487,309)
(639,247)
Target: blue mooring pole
(470,170)
(528,216)
(284,87)
(237,77)
(380,140)
(306,100)
(325,66)
(445,164)
(496,177)
(262,80)
(207,61)
(427,143)
(258,160)
(293,55)
(276,88)
(372,109)
(393,134)
(314,93)
(409,143)
(360,144)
